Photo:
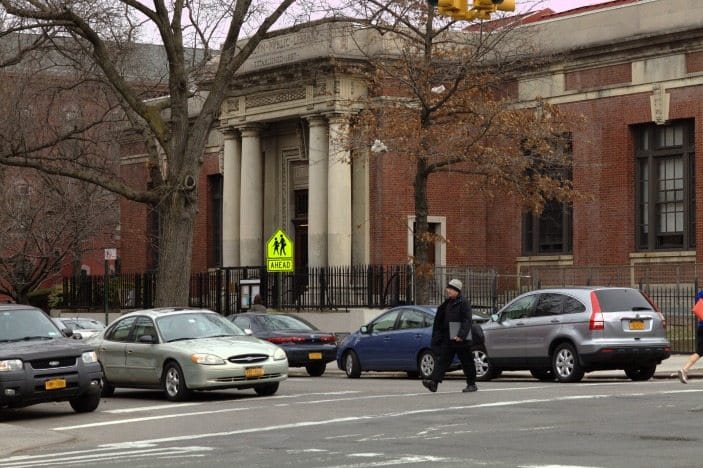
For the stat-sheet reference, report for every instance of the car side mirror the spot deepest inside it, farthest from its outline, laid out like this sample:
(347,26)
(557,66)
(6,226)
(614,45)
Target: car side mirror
(495,318)
(68,332)
(146,339)
(365,329)
(248,332)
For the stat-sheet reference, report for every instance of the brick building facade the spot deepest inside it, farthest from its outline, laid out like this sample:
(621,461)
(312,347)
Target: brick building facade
(633,70)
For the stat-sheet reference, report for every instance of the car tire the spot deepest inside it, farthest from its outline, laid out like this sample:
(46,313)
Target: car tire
(638,374)
(351,365)
(266,389)
(85,403)
(107,388)
(174,383)
(484,369)
(565,364)
(316,369)
(426,363)
(543,375)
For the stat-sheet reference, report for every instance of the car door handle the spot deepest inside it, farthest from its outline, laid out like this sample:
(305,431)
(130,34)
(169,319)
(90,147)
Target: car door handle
(555,321)
(130,351)
(386,338)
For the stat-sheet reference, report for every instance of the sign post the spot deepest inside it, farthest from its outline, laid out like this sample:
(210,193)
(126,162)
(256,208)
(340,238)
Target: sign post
(110,254)
(279,253)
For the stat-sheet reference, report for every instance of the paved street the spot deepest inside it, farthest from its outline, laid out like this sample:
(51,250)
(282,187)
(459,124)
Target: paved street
(378,420)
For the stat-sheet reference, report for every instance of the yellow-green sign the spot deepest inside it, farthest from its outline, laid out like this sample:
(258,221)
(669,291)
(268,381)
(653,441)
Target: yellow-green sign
(279,252)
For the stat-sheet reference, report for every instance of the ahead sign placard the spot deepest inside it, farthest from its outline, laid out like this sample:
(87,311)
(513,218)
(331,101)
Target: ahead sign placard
(279,252)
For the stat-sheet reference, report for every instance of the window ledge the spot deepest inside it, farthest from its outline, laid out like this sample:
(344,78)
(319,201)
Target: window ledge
(678,256)
(544,260)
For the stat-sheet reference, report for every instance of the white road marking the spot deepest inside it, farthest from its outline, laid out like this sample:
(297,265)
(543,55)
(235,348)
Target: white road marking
(149,408)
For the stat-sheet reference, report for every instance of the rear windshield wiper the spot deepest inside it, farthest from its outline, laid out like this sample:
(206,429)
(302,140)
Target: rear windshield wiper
(641,308)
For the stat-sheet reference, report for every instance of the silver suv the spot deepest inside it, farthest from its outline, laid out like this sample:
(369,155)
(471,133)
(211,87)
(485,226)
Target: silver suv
(563,333)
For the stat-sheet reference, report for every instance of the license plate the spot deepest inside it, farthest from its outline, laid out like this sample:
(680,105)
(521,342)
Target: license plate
(55,384)
(636,324)
(253,372)
(314,355)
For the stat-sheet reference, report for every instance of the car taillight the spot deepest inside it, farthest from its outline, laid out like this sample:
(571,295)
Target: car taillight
(596,321)
(286,339)
(328,338)
(656,309)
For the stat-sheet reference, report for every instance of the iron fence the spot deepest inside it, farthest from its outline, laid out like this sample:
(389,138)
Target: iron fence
(231,290)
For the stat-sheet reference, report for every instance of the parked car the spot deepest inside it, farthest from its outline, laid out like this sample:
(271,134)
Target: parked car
(181,349)
(39,364)
(304,344)
(397,340)
(563,333)
(81,327)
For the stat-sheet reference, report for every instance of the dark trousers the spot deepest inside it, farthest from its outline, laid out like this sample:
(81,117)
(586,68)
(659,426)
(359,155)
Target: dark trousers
(447,351)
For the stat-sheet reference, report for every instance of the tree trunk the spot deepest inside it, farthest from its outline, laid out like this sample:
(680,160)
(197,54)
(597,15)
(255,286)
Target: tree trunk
(423,274)
(177,215)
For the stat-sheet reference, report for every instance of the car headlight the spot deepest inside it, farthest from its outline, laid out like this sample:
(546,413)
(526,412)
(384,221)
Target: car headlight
(279,354)
(89,357)
(206,359)
(11,365)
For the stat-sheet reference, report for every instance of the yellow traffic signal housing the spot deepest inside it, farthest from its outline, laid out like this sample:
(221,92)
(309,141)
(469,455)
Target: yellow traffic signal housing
(483,8)
(453,8)
(480,9)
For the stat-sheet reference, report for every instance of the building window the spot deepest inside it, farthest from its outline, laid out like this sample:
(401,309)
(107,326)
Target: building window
(215,186)
(665,158)
(550,232)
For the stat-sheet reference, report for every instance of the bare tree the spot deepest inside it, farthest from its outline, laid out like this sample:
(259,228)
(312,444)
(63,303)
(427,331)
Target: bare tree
(46,222)
(98,38)
(451,111)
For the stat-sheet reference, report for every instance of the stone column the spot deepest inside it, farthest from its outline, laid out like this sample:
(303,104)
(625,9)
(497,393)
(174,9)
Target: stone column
(339,193)
(231,197)
(317,191)
(251,243)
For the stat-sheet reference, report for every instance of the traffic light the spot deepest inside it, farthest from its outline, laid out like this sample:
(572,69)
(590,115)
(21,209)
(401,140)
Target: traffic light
(480,9)
(453,8)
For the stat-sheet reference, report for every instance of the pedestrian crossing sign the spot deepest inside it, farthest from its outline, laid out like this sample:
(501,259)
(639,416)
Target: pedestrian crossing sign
(279,252)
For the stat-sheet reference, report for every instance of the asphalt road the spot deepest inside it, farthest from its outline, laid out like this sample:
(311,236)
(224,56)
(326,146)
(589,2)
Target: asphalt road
(377,420)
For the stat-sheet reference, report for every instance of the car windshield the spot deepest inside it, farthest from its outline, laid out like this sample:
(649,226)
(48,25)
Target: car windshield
(26,324)
(189,326)
(620,300)
(283,322)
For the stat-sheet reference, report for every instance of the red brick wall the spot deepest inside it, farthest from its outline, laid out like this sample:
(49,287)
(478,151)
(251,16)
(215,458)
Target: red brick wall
(601,76)
(694,62)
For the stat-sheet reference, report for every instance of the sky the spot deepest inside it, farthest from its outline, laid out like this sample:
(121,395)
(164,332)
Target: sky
(563,5)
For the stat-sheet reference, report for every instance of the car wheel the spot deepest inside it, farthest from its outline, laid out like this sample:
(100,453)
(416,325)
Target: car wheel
(565,364)
(426,364)
(266,389)
(351,365)
(641,373)
(543,375)
(316,369)
(85,403)
(174,383)
(107,388)
(484,369)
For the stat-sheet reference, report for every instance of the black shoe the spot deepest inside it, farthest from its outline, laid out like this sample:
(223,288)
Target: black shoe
(430,385)
(470,388)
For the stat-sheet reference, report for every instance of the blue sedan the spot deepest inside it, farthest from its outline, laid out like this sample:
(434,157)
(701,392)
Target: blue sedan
(397,340)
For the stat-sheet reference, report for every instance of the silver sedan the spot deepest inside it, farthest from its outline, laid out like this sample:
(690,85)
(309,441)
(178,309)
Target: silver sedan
(180,350)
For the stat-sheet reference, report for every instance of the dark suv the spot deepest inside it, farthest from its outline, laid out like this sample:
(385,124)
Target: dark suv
(563,333)
(39,364)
